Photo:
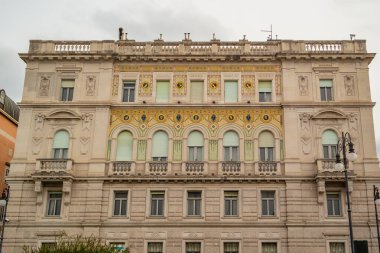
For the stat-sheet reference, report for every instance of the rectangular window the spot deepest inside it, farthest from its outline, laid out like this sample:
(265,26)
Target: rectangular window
(231,154)
(333,204)
(267,203)
(162,91)
(329,151)
(326,89)
(230,91)
(265,91)
(54,203)
(193,247)
(195,153)
(194,201)
(231,203)
(337,247)
(267,154)
(157,203)
(155,247)
(120,246)
(196,92)
(269,247)
(48,245)
(231,247)
(67,89)
(129,91)
(120,203)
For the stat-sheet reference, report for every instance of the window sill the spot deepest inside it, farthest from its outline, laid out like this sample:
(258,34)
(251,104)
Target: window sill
(152,217)
(193,217)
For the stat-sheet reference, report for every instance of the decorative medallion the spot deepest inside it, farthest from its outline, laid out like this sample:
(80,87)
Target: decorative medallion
(179,87)
(196,118)
(231,118)
(213,85)
(143,117)
(265,118)
(248,117)
(248,88)
(178,117)
(146,85)
(213,117)
(160,117)
(127,118)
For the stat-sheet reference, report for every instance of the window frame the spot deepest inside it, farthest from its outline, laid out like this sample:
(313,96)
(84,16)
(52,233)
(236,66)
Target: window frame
(155,241)
(199,200)
(323,91)
(192,241)
(67,91)
(267,199)
(277,242)
(265,96)
(340,215)
(128,91)
(230,241)
(164,209)
(230,199)
(48,201)
(126,203)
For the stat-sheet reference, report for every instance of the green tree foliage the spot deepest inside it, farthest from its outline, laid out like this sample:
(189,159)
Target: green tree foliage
(76,244)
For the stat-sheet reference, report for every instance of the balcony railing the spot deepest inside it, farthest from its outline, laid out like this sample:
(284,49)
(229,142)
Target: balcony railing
(158,167)
(231,168)
(121,168)
(54,165)
(327,165)
(194,168)
(268,168)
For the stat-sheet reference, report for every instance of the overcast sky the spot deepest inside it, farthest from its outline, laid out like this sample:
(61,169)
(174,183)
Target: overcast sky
(144,20)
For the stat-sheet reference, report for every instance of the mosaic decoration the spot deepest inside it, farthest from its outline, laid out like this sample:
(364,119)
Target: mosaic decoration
(213,150)
(278,85)
(213,85)
(248,150)
(177,150)
(197,68)
(141,150)
(179,85)
(211,119)
(248,85)
(115,85)
(146,85)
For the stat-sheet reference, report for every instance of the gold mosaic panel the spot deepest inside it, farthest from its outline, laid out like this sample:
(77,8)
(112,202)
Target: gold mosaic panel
(213,85)
(146,85)
(278,84)
(179,85)
(115,85)
(180,118)
(248,85)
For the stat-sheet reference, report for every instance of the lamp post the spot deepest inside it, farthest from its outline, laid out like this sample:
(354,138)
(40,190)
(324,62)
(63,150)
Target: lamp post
(343,143)
(376,199)
(3,204)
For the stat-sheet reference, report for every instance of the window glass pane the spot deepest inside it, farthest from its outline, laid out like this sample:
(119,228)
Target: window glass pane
(193,247)
(329,137)
(196,91)
(155,247)
(129,91)
(231,247)
(230,91)
(124,146)
(195,139)
(231,138)
(61,139)
(160,144)
(162,91)
(266,139)
(325,83)
(269,247)
(235,154)
(337,247)
(265,86)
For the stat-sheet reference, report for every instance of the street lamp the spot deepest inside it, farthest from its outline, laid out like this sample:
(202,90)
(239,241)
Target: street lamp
(3,204)
(376,199)
(343,143)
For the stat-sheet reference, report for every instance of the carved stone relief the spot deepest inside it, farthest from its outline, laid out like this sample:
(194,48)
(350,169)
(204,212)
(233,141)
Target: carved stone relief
(349,85)
(353,130)
(86,129)
(37,138)
(306,137)
(44,86)
(303,85)
(90,85)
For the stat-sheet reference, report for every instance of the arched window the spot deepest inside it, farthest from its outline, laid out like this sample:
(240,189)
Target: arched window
(160,145)
(266,146)
(195,146)
(329,142)
(231,146)
(60,144)
(124,146)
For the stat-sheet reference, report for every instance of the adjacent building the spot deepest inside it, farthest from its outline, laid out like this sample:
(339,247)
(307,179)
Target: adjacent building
(9,113)
(186,146)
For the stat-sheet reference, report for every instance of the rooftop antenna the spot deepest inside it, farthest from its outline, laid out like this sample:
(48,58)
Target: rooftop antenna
(270,36)
(352,36)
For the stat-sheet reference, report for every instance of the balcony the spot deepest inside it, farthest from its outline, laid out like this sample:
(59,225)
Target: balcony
(231,168)
(194,168)
(54,165)
(121,168)
(158,168)
(268,168)
(326,169)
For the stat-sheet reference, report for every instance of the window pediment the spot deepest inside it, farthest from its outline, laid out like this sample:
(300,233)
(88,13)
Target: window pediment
(329,114)
(63,115)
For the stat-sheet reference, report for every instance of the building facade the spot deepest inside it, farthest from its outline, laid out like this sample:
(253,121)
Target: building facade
(9,113)
(217,147)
